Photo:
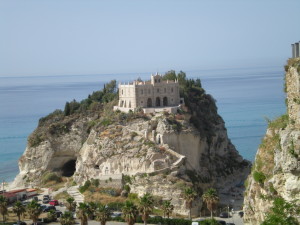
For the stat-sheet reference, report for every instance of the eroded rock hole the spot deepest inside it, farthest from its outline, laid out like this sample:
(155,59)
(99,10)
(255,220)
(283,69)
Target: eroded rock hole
(69,168)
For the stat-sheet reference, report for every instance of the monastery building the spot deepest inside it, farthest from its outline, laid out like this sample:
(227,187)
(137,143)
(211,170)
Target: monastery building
(155,95)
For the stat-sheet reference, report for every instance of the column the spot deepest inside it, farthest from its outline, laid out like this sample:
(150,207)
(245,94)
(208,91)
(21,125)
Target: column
(293,51)
(297,49)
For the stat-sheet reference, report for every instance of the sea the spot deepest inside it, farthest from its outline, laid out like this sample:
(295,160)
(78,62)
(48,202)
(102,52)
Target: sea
(245,97)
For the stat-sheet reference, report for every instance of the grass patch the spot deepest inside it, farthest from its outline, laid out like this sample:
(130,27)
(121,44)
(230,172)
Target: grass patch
(280,122)
(102,197)
(62,196)
(259,177)
(50,176)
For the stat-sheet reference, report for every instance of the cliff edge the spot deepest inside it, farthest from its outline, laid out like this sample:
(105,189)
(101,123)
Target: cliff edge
(276,171)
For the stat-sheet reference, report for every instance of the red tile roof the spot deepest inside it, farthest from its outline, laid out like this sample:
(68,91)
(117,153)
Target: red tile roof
(16,191)
(8,195)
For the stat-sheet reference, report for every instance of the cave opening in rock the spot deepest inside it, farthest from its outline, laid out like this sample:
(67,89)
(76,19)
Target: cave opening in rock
(69,168)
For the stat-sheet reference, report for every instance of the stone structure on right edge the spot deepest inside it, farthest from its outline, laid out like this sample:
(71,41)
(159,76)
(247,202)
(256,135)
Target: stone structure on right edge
(296,50)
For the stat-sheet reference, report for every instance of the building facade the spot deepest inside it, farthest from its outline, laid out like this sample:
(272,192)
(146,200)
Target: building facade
(153,95)
(296,50)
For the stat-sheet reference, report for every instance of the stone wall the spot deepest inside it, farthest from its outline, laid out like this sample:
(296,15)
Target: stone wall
(293,94)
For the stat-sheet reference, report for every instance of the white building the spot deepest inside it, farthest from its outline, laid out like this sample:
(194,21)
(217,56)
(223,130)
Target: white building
(152,96)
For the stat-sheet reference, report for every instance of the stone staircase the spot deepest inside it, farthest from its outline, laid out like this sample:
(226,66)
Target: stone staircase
(74,192)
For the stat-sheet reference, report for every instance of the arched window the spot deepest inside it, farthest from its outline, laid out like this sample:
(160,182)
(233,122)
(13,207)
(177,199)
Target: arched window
(165,101)
(157,101)
(129,104)
(149,102)
(122,91)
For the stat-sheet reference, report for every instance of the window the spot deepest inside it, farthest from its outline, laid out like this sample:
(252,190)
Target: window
(149,91)
(165,90)
(122,91)
(142,92)
(157,90)
(155,81)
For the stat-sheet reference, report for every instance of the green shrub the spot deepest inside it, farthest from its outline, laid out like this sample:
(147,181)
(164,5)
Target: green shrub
(117,218)
(291,150)
(133,196)
(209,222)
(95,182)
(49,176)
(259,177)
(115,206)
(86,185)
(149,143)
(35,139)
(110,191)
(282,212)
(106,122)
(280,122)
(127,179)
(164,221)
(127,188)
(272,189)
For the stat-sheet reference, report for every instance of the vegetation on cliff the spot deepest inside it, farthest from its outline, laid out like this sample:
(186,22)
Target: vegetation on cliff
(282,212)
(99,105)
(201,106)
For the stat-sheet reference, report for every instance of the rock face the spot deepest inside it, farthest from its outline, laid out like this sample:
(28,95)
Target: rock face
(276,172)
(163,153)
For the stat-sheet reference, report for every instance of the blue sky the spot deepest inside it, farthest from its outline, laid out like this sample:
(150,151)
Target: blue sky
(61,37)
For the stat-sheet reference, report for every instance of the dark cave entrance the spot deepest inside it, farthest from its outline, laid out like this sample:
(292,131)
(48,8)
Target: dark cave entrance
(69,168)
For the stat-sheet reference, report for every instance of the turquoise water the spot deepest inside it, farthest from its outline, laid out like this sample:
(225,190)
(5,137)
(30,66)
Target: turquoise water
(244,97)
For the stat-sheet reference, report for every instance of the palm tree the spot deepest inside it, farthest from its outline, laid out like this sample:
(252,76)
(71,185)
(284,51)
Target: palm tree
(83,211)
(67,219)
(211,198)
(93,207)
(102,213)
(146,205)
(130,212)
(167,207)
(189,196)
(51,215)
(19,209)
(34,210)
(71,204)
(3,207)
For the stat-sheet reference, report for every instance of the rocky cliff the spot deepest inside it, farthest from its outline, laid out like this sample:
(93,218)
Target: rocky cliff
(276,171)
(163,153)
